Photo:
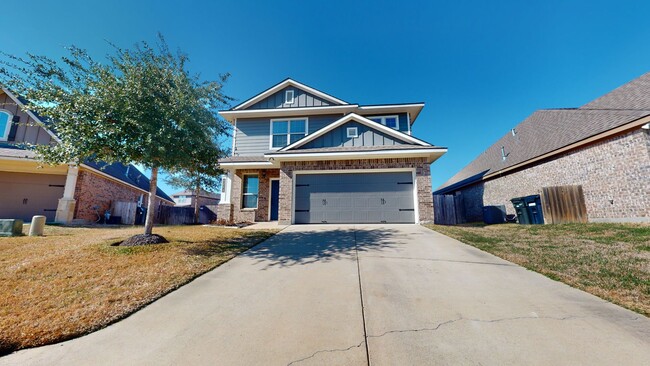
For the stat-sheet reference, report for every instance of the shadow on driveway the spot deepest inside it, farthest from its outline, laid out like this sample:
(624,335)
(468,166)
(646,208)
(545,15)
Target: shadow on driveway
(304,245)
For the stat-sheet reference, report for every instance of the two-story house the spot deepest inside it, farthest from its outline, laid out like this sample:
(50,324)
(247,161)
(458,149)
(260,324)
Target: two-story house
(303,156)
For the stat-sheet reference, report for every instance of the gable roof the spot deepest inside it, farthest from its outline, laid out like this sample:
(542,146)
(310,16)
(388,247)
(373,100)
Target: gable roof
(632,95)
(542,133)
(283,84)
(360,119)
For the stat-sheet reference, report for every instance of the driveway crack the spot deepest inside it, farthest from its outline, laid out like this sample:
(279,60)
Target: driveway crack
(363,311)
(326,351)
(439,325)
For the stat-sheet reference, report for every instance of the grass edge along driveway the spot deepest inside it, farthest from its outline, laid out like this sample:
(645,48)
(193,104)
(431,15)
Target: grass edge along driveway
(72,281)
(611,261)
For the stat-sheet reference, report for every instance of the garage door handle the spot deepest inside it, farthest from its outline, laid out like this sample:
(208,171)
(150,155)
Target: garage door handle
(324,202)
(383,201)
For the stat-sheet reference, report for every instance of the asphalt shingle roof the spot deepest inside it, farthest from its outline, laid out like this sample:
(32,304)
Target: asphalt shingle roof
(548,130)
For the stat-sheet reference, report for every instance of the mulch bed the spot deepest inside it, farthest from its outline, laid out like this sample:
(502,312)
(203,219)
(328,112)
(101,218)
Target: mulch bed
(142,239)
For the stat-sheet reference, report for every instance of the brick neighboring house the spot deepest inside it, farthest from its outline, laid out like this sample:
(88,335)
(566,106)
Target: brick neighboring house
(603,146)
(61,193)
(187,197)
(304,156)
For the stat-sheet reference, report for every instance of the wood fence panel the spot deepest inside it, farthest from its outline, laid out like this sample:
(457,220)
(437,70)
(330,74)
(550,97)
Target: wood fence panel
(564,204)
(126,210)
(445,212)
(170,215)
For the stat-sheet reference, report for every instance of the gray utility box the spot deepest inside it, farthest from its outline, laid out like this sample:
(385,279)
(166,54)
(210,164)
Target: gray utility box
(11,227)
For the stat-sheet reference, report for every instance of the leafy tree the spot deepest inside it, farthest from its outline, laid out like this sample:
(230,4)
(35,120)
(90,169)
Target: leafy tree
(143,105)
(203,175)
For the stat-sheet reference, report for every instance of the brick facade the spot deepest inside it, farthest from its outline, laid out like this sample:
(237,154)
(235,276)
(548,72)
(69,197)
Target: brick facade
(95,190)
(614,174)
(423,180)
(261,213)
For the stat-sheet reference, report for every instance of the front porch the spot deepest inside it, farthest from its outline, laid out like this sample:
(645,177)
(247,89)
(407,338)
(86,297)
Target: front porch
(249,196)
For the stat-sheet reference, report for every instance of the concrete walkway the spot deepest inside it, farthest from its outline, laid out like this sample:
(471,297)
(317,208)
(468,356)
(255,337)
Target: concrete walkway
(349,295)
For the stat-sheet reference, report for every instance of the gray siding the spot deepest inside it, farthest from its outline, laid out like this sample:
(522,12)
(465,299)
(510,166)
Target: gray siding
(338,138)
(26,130)
(300,99)
(403,122)
(253,134)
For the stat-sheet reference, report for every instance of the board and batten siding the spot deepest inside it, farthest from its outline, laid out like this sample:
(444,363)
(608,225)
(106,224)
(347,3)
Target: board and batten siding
(26,130)
(403,120)
(338,138)
(253,135)
(300,99)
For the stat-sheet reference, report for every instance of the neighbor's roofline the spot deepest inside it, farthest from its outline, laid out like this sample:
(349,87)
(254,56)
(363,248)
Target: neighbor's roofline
(614,131)
(24,108)
(283,84)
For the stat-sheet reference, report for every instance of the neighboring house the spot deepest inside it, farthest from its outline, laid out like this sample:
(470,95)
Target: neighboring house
(187,198)
(604,146)
(303,156)
(61,193)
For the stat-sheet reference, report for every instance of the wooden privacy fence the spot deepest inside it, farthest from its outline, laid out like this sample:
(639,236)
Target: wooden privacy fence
(564,204)
(125,210)
(448,209)
(171,215)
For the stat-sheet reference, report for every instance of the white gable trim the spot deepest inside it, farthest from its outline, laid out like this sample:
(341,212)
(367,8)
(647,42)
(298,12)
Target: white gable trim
(282,85)
(30,114)
(357,118)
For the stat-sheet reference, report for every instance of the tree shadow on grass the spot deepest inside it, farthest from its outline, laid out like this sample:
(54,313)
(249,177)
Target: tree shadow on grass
(290,248)
(220,247)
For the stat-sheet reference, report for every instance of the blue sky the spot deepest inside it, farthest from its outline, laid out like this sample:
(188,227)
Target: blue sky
(481,67)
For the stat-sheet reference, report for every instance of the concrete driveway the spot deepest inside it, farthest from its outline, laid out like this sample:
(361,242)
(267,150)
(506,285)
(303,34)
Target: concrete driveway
(349,295)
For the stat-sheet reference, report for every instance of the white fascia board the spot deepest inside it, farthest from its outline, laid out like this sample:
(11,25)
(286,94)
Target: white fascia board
(30,114)
(230,116)
(249,165)
(357,118)
(284,84)
(432,153)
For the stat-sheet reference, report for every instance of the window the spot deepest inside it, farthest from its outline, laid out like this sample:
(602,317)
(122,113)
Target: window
(388,121)
(352,132)
(251,186)
(5,125)
(287,131)
(288,97)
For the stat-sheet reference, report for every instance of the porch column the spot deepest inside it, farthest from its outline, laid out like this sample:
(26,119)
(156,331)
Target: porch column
(224,210)
(65,209)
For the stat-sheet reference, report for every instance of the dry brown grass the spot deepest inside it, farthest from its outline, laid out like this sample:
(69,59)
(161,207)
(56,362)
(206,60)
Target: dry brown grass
(611,261)
(72,281)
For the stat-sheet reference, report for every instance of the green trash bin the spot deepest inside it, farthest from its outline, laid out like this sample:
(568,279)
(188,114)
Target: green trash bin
(522,210)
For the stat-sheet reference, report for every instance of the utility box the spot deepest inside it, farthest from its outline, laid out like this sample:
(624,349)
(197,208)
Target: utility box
(529,210)
(11,227)
(494,214)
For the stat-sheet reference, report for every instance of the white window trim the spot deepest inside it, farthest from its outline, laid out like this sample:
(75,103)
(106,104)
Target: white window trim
(257,202)
(383,120)
(306,119)
(288,100)
(352,132)
(10,122)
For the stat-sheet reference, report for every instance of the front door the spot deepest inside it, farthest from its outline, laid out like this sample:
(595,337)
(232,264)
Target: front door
(275,199)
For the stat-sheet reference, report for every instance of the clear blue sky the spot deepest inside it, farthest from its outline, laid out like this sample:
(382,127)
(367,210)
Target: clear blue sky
(480,66)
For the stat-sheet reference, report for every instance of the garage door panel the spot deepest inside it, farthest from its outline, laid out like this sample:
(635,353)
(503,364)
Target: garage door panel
(355,198)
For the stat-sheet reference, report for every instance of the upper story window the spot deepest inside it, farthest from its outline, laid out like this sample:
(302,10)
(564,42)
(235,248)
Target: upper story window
(287,131)
(5,124)
(352,132)
(388,121)
(288,97)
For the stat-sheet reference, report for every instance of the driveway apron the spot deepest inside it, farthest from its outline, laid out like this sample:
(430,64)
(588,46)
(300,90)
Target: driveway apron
(359,294)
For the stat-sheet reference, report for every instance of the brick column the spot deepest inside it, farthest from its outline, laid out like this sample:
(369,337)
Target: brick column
(286,196)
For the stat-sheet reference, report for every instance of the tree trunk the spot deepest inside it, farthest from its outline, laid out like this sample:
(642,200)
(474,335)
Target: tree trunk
(196,203)
(151,206)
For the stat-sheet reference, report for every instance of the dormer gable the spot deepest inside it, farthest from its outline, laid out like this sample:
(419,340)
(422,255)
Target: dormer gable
(289,94)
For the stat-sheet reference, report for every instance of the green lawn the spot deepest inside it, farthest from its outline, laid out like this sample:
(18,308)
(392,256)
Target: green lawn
(611,261)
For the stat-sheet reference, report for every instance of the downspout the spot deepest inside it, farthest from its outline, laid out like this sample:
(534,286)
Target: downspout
(234,137)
